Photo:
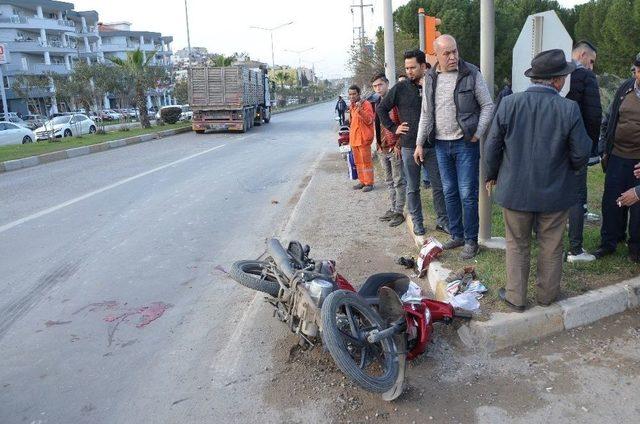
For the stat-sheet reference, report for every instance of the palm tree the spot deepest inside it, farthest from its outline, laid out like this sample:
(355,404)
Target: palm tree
(280,77)
(138,69)
(222,60)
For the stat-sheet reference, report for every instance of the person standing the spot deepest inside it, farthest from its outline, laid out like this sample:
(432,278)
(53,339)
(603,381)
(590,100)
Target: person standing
(620,140)
(341,108)
(361,137)
(585,91)
(390,157)
(456,112)
(536,144)
(406,96)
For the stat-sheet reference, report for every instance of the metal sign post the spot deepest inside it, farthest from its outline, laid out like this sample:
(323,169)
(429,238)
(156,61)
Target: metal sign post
(3,60)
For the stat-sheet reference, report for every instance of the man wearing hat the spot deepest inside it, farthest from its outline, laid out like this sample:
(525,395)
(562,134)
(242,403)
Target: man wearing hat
(536,144)
(620,139)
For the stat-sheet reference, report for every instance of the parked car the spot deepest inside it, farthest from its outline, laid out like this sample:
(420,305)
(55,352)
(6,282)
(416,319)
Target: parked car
(18,121)
(66,126)
(34,121)
(109,115)
(187,113)
(11,133)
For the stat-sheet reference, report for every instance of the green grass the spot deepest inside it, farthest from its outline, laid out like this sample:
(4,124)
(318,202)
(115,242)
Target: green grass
(576,278)
(18,151)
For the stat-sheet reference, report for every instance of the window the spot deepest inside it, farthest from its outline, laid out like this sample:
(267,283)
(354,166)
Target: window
(10,126)
(80,118)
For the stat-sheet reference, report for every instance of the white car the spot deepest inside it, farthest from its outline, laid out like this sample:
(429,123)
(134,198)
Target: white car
(11,133)
(66,126)
(187,113)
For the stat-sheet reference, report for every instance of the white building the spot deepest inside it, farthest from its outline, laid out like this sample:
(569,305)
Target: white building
(117,39)
(43,36)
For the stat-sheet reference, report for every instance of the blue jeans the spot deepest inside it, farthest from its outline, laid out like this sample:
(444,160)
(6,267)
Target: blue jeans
(459,163)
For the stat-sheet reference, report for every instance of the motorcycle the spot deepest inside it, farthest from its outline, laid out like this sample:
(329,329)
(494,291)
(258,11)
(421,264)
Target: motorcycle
(370,333)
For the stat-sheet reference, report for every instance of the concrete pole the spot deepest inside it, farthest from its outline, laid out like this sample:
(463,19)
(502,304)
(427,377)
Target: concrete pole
(186,14)
(389,50)
(273,58)
(361,24)
(5,109)
(487,50)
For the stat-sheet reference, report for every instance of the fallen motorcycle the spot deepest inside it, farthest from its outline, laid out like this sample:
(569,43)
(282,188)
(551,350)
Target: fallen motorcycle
(370,333)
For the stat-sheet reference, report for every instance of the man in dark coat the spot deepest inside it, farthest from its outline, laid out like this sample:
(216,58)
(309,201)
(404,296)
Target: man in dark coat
(341,107)
(620,141)
(536,144)
(584,90)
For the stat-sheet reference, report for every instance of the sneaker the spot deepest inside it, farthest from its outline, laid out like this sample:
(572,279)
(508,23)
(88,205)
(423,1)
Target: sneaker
(453,243)
(591,217)
(388,215)
(469,251)
(367,188)
(358,186)
(396,220)
(419,231)
(583,256)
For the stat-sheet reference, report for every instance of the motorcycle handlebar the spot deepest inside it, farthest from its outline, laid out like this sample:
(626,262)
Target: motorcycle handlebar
(281,257)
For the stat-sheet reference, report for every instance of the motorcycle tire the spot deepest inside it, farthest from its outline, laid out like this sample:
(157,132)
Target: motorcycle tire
(250,275)
(339,344)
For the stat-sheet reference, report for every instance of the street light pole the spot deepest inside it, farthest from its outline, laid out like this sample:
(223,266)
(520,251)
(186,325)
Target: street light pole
(389,51)
(487,50)
(186,13)
(273,61)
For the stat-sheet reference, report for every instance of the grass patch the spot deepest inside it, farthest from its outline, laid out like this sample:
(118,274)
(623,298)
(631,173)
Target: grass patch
(18,151)
(576,278)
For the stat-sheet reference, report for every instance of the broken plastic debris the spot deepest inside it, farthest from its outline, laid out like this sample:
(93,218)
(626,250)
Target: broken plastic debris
(413,293)
(429,251)
(466,301)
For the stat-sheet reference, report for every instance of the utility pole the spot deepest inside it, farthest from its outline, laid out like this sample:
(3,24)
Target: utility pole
(361,6)
(389,50)
(186,14)
(273,60)
(487,55)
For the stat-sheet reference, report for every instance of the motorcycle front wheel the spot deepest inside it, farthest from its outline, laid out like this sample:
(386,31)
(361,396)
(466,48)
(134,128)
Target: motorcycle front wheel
(346,321)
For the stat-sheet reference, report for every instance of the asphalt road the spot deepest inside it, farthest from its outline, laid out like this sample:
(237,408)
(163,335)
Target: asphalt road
(111,306)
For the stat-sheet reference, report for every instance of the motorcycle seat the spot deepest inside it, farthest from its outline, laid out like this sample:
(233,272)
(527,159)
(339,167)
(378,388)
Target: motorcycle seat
(398,282)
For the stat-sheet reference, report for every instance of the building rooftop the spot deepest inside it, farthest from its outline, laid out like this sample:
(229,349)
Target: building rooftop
(47,5)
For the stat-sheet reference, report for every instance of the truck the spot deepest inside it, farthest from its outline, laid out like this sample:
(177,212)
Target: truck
(228,98)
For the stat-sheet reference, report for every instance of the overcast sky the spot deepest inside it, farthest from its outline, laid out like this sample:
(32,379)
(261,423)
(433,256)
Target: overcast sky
(223,26)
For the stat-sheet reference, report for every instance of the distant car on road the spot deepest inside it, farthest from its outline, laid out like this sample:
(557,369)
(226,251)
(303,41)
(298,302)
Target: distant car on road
(187,113)
(66,126)
(11,133)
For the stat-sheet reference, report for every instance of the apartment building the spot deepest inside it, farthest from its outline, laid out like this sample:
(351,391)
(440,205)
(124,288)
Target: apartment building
(44,36)
(117,39)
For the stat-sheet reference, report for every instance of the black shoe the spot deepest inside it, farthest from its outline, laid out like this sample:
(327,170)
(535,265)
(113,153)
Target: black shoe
(442,229)
(453,243)
(469,251)
(502,294)
(358,186)
(396,220)
(601,252)
(367,188)
(419,231)
(388,215)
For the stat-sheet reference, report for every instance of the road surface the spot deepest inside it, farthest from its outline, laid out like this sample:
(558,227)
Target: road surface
(113,307)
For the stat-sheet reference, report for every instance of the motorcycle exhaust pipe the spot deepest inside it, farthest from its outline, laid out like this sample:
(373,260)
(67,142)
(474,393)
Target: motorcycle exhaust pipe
(281,257)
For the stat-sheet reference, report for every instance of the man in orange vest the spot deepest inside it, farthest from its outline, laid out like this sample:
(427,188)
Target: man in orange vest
(361,137)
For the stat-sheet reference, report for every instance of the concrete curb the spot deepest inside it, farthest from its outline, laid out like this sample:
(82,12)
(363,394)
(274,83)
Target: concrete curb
(504,330)
(12,165)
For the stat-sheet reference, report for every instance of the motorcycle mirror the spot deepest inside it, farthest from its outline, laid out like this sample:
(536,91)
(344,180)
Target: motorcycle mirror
(390,305)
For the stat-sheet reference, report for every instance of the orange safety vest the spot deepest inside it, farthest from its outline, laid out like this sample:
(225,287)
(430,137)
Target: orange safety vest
(361,127)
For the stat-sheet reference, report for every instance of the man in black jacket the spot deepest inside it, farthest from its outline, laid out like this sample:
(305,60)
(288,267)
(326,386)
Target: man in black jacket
(406,96)
(620,141)
(341,108)
(536,144)
(584,90)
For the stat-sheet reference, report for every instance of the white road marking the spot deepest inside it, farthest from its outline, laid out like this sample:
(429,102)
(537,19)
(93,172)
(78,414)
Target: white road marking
(47,211)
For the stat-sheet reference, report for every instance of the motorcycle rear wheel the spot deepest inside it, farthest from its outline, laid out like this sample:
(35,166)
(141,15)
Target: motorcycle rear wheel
(254,275)
(346,319)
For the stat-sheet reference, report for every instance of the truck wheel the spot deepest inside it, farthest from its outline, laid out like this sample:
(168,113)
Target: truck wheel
(267,115)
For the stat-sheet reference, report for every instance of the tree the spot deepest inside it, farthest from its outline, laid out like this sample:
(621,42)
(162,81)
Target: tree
(30,87)
(181,91)
(143,76)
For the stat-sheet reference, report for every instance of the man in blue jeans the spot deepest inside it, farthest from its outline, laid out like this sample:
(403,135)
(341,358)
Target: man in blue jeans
(456,111)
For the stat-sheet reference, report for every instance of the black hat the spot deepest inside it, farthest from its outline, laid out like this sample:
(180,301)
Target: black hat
(549,64)
(637,61)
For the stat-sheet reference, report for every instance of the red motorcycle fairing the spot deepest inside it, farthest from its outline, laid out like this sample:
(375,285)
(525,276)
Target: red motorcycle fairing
(343,284)
(419,323)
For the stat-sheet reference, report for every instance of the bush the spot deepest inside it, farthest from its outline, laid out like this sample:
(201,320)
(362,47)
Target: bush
(170,114)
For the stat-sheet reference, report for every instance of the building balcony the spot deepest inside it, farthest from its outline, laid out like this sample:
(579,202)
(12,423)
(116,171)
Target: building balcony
(36,69)
(23,22)
(30,46)
(89,32)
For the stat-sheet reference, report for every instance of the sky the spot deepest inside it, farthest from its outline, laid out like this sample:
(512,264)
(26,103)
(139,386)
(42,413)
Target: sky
(223,26)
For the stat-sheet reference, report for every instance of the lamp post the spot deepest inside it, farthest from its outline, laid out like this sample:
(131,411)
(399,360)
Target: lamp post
(273,61)
(186,14)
